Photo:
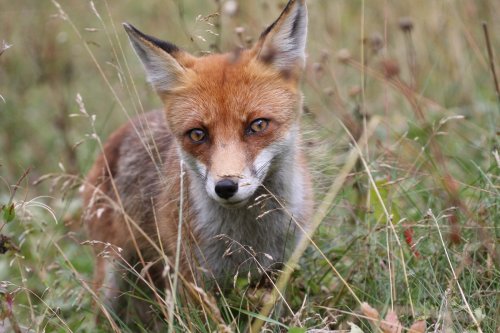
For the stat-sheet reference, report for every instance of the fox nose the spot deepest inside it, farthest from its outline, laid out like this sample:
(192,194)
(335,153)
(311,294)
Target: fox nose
(226,188)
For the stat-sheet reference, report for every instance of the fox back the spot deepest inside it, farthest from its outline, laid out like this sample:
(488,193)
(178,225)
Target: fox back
(222,160)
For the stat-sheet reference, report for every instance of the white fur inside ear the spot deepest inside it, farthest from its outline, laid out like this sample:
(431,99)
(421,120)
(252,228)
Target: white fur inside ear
(285,44)
(163,74)
(163,71)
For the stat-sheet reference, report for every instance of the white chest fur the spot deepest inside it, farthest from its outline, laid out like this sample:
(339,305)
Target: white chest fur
(254,237)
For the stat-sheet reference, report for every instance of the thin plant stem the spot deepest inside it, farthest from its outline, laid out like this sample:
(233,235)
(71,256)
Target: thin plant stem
(455,278)
(171,310)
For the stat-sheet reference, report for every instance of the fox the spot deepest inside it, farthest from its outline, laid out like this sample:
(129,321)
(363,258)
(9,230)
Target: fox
(219,171)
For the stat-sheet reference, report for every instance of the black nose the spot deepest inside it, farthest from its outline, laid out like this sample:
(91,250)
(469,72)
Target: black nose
(226,188)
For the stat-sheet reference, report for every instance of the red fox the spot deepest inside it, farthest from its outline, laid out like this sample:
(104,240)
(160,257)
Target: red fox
(224,156)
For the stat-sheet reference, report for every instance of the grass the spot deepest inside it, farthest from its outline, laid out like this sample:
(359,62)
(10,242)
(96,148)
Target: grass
(414,228)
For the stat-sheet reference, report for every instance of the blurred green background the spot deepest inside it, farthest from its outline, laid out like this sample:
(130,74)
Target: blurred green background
(48,64)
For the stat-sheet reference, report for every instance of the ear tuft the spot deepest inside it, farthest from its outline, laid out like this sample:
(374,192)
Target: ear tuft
(283,43)
(158,57)
(166,46)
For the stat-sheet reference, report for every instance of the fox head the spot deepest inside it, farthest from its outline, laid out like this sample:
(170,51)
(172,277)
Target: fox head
(233,115)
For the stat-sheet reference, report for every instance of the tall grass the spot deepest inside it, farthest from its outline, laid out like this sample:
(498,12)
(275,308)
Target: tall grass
(408,214)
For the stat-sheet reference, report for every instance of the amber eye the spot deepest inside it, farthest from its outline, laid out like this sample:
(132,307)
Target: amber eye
(197,135)
(258,125)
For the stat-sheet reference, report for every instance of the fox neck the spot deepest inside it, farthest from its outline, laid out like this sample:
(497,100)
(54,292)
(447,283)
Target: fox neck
(255,236)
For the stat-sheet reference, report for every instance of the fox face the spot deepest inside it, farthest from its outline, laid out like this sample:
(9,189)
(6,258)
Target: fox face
(231,126)
(233,115)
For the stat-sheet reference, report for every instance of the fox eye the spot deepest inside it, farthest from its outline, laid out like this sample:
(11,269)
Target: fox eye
(197,135)
(258,125)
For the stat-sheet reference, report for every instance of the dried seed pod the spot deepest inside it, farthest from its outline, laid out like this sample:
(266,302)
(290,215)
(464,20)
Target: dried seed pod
(376,42)
(406,24)
(239,31)
(230,8)
(354,91)
(318,68)
(390,68)
(344,55)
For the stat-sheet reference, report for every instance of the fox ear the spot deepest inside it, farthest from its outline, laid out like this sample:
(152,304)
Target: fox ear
(159,58)
(283,43)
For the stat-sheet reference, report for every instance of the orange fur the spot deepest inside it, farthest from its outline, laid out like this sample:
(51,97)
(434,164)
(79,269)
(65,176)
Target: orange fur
(132,195)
